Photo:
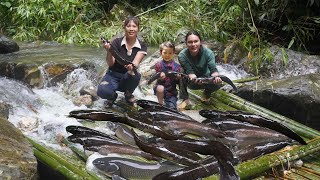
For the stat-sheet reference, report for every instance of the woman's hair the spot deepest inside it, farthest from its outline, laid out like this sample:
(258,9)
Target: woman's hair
(193,32)
(167,44)
(131,18)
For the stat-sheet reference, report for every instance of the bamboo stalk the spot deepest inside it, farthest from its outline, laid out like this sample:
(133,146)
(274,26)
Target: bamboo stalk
(153,8)
(213,104)
(241,104)
(294,176)
(80,154)
(81,171)
(255,167)
(248,79)
(55,165)
(312,168)
(308,174)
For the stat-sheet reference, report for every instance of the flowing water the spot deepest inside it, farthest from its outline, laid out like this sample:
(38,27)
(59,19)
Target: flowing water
(46,109)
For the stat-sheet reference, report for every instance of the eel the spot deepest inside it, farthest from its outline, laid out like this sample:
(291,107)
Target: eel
(168,73)
(97,115)
(117,56)
(82,131)
(155,106)
(209,80)
(132,169)
(190,127)
(253,119)
(121,149)
(131,118)
(91,140)
(171,153)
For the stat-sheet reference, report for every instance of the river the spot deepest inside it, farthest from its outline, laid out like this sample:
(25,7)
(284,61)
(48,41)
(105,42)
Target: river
(46,109)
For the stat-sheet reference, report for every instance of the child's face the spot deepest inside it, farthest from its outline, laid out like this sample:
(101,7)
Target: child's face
(167,53)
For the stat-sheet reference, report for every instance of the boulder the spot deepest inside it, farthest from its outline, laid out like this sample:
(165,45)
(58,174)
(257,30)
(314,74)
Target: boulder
(7,45)
(296,97)
(16,155)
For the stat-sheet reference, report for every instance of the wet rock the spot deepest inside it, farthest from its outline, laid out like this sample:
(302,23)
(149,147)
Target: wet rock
(28,123)
(295,65)
(16,155)
(7,69)
(83,100)
(233,53)
(89,90)
(4,110)
(296,97)
(7,45)
(37,75)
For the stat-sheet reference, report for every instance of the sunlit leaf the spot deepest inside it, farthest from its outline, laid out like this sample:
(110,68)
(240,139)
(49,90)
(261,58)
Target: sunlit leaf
(291,43)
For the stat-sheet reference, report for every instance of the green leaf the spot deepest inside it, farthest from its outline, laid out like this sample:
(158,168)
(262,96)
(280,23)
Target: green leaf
(291,43)
(284,57)
(7,4)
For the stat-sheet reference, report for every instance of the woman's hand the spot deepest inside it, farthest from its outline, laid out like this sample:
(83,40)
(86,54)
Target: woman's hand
(217,79)
(129,67)
(106,43)
(106,46)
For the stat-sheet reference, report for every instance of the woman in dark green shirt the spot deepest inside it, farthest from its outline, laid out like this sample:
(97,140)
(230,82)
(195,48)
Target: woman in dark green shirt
(197,61)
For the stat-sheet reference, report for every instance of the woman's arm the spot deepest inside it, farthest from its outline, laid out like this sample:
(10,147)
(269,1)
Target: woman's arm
(137,60)
(110,59)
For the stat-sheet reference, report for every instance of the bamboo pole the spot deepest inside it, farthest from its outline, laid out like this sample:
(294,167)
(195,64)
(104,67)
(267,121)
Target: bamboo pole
(80,171)
(80,154)
(255,167)
(154,8)
(308,174)
(55,165)
(312,168)
(248,79)
(241,104)
(213,103)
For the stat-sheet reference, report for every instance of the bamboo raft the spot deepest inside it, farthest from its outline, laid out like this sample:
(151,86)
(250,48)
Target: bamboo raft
(277,165)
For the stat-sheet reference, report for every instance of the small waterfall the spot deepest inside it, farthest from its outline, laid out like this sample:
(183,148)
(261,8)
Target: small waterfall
(44,75)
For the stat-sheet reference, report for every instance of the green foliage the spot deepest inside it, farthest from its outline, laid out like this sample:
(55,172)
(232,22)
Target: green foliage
(255,24)
(5,14)
(67,21)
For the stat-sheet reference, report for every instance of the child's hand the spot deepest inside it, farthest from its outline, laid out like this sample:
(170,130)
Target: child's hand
(162,76)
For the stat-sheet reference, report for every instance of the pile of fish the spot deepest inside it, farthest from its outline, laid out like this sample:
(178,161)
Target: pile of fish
(176,146)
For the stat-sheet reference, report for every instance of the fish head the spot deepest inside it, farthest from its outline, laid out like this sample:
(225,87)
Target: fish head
(106,167)
(212,113)
(112,125)
(71,128)
(142,103)
(75,139)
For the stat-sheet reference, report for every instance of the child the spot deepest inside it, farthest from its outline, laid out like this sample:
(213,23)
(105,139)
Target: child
(165,88)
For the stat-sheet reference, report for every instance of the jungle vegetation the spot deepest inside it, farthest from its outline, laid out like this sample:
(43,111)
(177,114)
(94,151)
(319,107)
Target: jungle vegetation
(256,25)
